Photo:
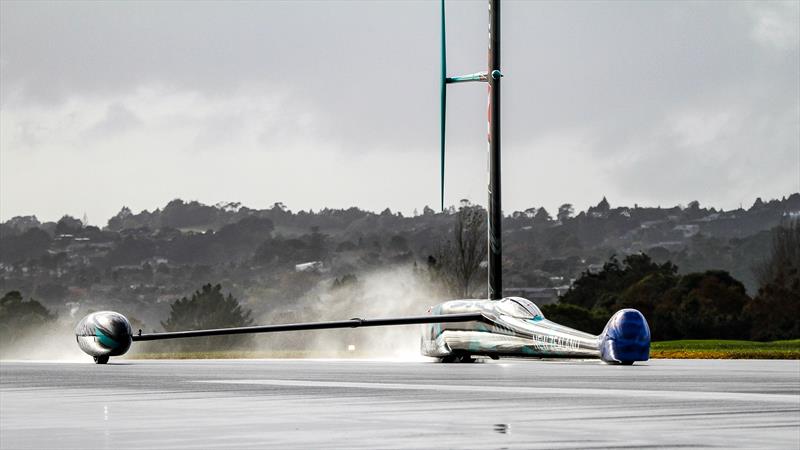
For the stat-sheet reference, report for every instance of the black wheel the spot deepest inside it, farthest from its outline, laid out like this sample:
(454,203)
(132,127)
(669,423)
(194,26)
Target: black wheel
(457,358)
(100,359)
(626,363)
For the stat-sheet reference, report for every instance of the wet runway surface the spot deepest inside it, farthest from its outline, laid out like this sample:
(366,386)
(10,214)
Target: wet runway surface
(380,404)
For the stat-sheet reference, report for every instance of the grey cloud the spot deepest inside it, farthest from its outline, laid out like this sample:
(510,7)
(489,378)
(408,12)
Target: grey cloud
(118,119)
(361,78)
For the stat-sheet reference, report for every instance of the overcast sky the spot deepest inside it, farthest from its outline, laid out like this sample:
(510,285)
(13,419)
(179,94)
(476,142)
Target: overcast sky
(335,104)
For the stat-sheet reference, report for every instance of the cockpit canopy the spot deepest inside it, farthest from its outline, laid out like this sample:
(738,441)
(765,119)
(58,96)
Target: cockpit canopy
(520,308)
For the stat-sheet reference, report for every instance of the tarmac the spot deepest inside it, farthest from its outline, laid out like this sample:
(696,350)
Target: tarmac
(133,404)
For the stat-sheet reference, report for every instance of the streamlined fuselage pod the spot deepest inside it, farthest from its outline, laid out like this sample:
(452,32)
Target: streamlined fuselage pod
(516,327)
(103,334)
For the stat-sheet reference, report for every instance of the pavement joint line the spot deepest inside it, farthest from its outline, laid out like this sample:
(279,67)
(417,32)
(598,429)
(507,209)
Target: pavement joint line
(665,394)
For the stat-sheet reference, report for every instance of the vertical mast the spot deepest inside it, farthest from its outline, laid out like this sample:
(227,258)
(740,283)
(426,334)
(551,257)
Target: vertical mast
(492,77)
(443,107)
(495,212)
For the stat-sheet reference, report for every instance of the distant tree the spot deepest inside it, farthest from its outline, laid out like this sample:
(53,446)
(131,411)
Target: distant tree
(707,305)
(32,243)
(542,216)
(124,219)
(68,225)
(247,229)
(693,211)
(179,214)
(784,255)
(398,243)
(561,241)
(602,208)
(237,241)
(458,260)
(22,223)
(131,251)
(317,244)
(208,308)
(18,318)
(283,252)
(775,312)
(575,317)
(647,295)
(602,289)
(565,212)
(693,306)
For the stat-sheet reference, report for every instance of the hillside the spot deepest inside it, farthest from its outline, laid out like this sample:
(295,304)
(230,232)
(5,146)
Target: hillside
(142,261)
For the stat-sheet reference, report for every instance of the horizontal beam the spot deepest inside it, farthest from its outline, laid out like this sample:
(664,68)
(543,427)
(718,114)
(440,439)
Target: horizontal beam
(480,76)
(352,323)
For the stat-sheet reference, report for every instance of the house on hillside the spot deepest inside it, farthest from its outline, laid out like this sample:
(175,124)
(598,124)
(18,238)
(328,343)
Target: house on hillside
(311,266)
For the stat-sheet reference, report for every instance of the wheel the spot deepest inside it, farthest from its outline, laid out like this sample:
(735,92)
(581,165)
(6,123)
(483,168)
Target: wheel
(457,358)
(626,363)
(100,359)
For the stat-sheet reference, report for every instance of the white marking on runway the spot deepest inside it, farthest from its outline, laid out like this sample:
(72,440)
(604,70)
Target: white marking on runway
(668,395)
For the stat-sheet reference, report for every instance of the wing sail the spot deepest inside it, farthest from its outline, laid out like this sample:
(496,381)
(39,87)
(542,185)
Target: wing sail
(443,108)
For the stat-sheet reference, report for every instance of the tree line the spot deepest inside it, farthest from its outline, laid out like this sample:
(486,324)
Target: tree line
(702,305)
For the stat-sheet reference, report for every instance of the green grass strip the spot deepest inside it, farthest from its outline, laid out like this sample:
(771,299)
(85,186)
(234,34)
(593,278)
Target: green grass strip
(725,349)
